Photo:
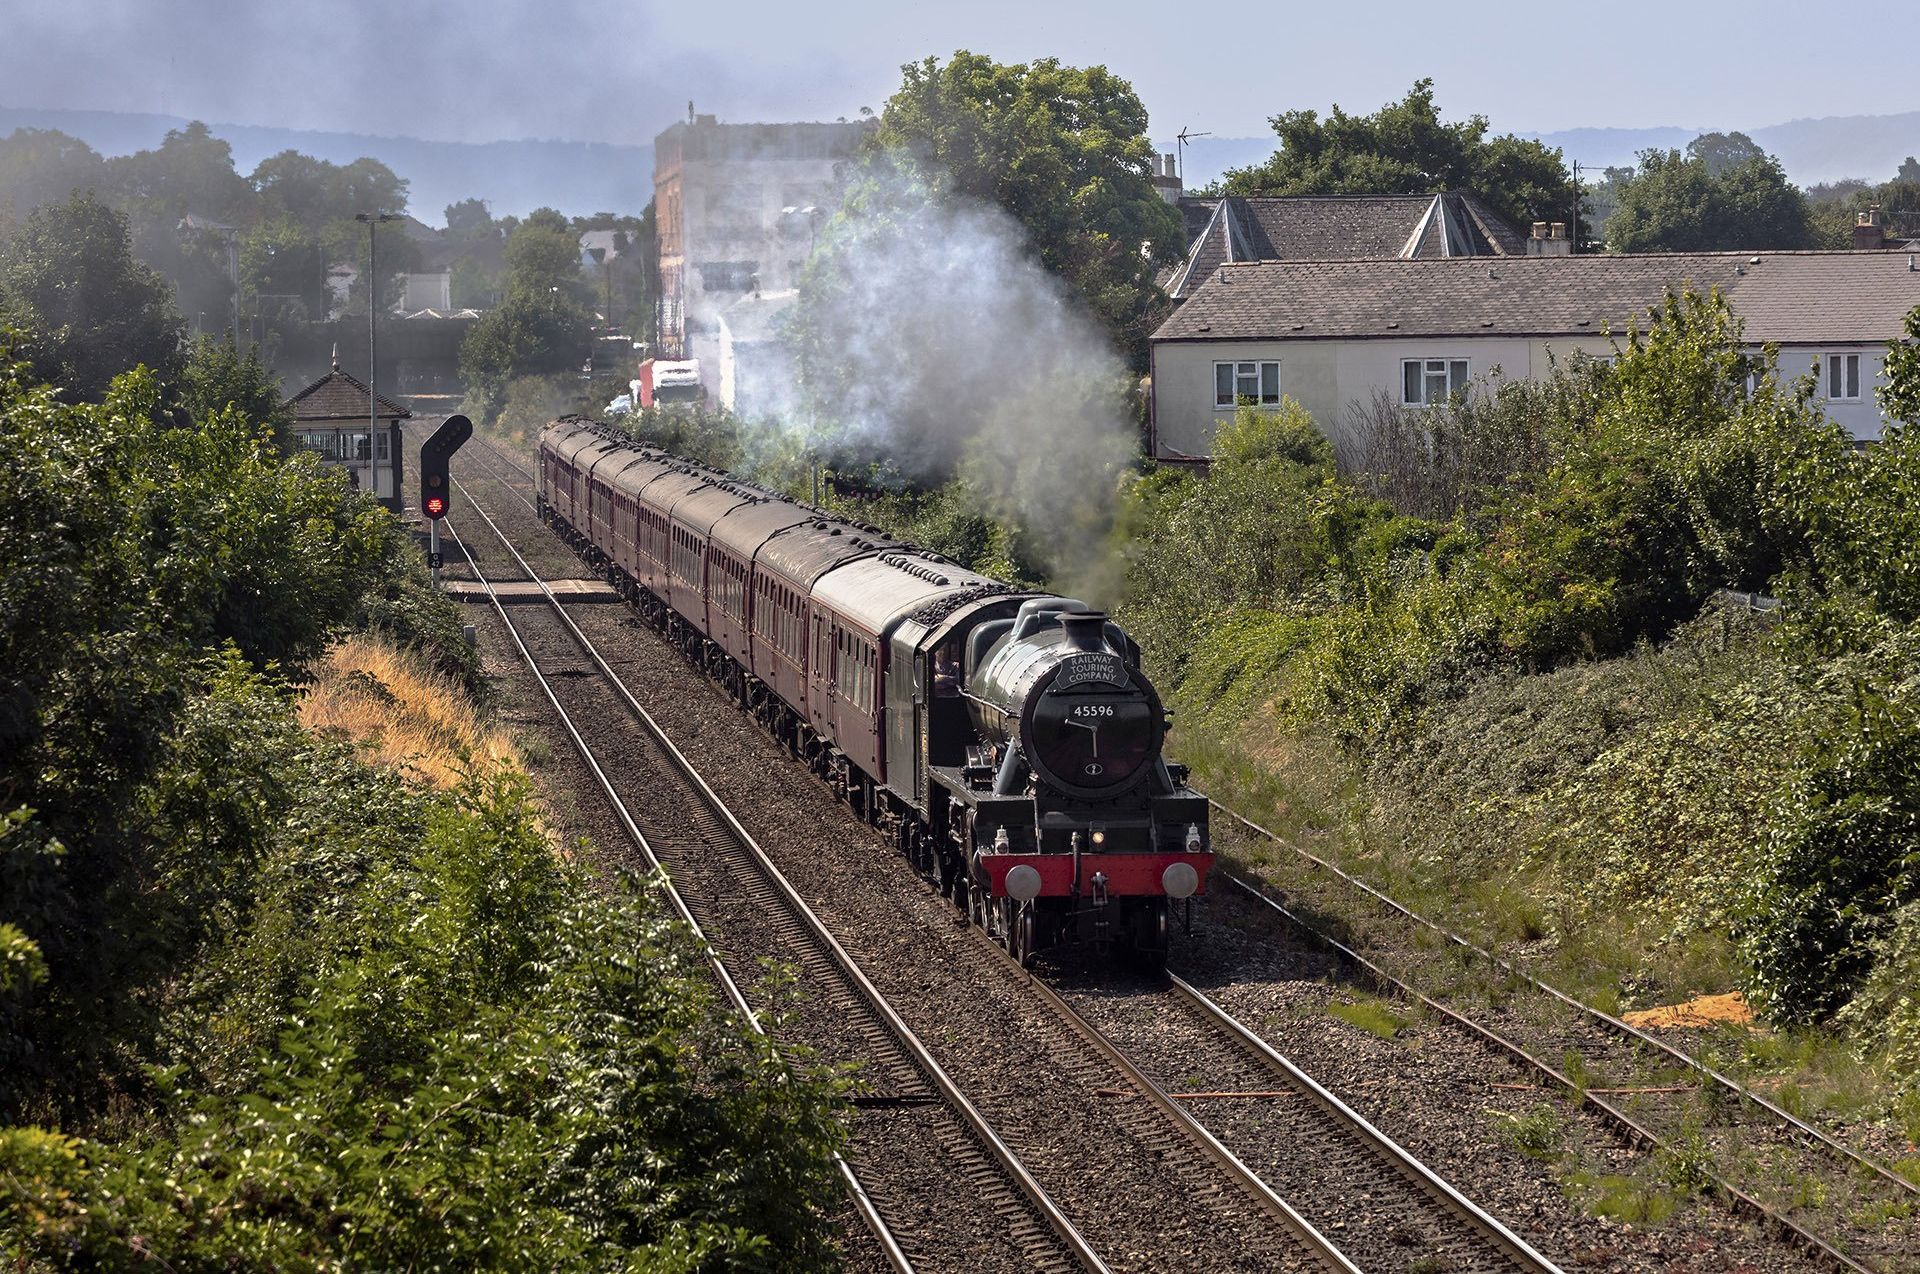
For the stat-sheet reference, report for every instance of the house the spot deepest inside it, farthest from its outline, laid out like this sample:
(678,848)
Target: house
(1236,229)
(350,426)
(739,207)
(1334,334)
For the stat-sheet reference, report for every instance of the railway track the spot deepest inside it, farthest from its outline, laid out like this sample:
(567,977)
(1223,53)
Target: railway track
(1706,1103)
(1287,1127)
(1427,1215)
(705,855)
(717,867)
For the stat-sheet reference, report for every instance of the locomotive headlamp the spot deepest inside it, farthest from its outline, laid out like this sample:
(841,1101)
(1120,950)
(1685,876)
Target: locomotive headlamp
(1193,838)
(1180,880)
(1098,837)
(1000,842)
(1023,883)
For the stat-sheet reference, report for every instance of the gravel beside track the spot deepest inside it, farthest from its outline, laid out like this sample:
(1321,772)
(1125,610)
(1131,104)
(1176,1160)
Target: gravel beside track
(1126,1182)
(1437,1091)
(923,1166)
(1377,1208)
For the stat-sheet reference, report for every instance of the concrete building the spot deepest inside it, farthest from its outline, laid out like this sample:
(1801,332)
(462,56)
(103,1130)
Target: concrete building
(1332,335)
(754,370)
(739,208)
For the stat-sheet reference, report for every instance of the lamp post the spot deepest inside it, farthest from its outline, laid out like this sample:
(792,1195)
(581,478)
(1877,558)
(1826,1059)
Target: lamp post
(373,220)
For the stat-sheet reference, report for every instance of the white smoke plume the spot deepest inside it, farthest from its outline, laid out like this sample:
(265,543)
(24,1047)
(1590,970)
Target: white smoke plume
(927,335)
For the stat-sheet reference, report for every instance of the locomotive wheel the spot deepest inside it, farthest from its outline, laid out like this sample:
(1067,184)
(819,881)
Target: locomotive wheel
(1021,932)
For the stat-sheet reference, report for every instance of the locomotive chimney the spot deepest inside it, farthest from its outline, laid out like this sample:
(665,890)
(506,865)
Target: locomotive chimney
(1086,629)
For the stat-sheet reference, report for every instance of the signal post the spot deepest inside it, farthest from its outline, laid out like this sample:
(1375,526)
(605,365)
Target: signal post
(436,482)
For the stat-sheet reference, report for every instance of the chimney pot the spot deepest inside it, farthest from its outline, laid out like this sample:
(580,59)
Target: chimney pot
(1868,232)
(1539,230)
(1557,231)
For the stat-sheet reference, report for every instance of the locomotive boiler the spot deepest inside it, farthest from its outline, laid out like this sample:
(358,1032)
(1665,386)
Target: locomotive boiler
(1008,742)
(1074,824)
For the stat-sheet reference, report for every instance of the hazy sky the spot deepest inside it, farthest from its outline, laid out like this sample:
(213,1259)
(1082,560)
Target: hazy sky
(609,71)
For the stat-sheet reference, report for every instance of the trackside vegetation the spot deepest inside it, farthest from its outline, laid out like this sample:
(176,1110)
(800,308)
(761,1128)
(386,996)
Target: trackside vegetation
(1620,665)
(269,997)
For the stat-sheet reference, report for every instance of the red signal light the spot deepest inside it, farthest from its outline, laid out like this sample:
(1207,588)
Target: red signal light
(436,506)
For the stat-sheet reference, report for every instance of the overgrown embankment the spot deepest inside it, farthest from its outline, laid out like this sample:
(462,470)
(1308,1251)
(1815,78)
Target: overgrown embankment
(1494,660)
(290,977)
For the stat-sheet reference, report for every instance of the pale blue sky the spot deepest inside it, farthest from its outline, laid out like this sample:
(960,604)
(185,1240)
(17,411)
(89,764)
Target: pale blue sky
(608,71)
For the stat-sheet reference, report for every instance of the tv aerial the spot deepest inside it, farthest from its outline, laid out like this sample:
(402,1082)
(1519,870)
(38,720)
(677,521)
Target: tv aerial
(1183,137)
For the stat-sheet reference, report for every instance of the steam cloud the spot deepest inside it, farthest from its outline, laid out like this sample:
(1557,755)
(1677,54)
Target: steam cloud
(928,335)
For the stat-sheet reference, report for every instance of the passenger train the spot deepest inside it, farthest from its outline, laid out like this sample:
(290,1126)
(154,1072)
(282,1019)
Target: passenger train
(1007,741)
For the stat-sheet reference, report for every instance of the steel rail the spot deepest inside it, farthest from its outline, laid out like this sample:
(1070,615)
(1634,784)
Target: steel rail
(863,1204)
(1236,1170)
(1512,1246)
(1612,1023)
(1637,1133)
(1035,1195)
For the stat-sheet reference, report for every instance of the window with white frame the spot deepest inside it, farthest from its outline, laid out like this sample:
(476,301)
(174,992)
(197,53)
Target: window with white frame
(1426,382)
(1843,377)
(1257,383)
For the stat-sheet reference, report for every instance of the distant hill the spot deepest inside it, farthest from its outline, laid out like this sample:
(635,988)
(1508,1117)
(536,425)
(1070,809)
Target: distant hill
(514,177)
(1812,150)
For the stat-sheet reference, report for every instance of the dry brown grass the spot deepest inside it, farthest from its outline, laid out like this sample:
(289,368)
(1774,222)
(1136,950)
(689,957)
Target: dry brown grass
(400,714)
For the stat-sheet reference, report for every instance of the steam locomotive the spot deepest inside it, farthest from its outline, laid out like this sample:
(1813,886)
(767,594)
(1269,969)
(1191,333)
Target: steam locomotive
(1007,742)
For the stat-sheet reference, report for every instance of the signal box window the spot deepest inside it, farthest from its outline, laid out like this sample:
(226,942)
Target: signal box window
(1256,383)
(1428,382)
(1843,378)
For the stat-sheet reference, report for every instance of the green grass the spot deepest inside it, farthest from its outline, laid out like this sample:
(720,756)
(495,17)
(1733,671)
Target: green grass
(1371,1015)
(1621,1198)
(1536,1134)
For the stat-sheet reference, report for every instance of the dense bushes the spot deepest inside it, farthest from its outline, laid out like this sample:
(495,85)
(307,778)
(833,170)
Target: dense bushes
(263,1006)
(1503,611)
(420,1040)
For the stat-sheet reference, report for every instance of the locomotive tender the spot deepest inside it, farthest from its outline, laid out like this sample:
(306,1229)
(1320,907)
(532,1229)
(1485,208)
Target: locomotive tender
(1008,742)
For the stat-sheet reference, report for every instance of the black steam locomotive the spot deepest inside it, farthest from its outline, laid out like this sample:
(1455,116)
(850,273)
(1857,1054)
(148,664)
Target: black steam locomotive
(1007,741)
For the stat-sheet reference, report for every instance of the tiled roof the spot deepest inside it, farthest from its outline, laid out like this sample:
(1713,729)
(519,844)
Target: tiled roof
(1337,228)
(338,396)
(1804,298)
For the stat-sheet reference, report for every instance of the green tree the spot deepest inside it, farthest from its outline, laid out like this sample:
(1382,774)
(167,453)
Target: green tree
(190,172)
(532,333)
(1405,148)
(93,311)
(543,255)
(219,378)
(1723,152)
(1900,396)
(1065,151)
(283,268)
(318,194)
(1909,171)
(40,166)
(469,220)
(1677,203)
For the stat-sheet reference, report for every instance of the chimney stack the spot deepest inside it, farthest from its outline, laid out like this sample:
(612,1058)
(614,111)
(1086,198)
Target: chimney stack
(1549,239)
(1869,232)
(1166,177)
